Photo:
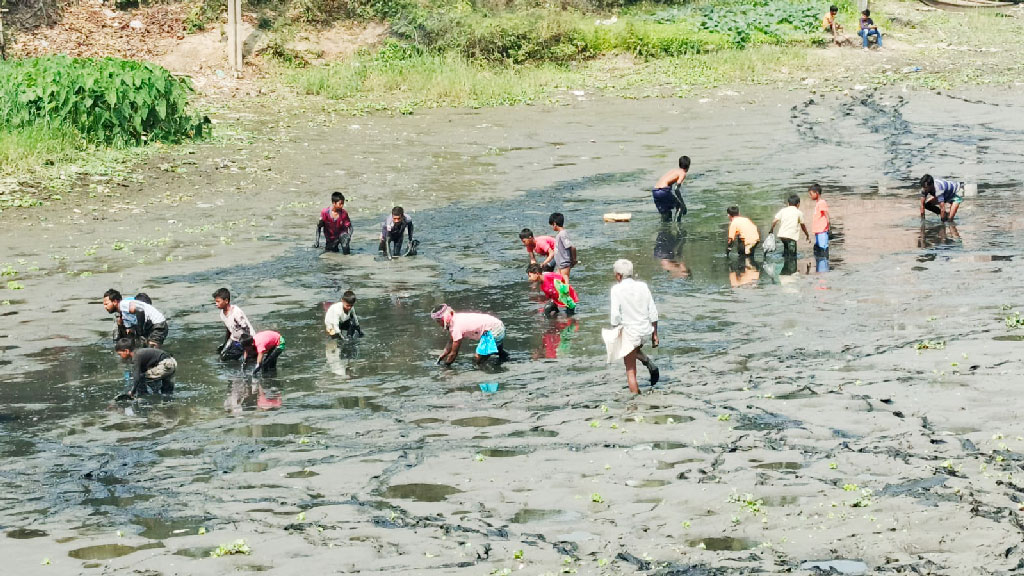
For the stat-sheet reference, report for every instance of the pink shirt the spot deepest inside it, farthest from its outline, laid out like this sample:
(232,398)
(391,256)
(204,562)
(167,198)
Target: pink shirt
(471,324)
(820,220)
(266,339)
(543,245)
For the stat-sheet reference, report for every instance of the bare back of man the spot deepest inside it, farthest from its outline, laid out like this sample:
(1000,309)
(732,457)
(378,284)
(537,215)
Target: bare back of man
(671,178)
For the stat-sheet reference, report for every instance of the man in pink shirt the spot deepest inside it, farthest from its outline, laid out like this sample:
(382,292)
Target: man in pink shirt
(821,223)
(267,345)
(541,245)
(483,327)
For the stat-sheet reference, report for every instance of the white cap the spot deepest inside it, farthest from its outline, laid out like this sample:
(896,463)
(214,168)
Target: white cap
(623,267)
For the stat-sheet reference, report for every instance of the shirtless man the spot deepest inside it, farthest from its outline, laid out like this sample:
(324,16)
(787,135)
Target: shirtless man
(667,195)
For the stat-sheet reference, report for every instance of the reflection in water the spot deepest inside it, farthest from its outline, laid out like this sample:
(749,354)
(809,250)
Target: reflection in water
(339,354)
(943,234)
(668,249)
(557,339)
(744,271)
(245,394)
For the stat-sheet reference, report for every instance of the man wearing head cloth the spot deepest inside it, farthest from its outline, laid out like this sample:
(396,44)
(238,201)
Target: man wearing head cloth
(489,330)
(634,315)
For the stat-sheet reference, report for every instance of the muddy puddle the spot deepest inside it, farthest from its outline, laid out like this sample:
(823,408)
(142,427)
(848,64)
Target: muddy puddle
(781,379)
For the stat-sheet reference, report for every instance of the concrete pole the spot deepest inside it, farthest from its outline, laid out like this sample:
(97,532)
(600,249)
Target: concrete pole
(235,36)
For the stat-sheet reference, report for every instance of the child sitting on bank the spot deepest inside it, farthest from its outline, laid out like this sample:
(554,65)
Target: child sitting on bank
(341,317)
(336,226)
(868,29)
(559,292)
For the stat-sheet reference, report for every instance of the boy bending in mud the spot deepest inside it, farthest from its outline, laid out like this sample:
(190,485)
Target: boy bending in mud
(942,197)
(486,328)
(559,292)
(667,192)
(135,320)
(743,232)
(152,368)
(335,225)
(341,317)
(539,246)
(392,230)
(236,323)
(266,346)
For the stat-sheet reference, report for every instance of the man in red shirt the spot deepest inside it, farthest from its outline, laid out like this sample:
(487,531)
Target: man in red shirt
(336,226)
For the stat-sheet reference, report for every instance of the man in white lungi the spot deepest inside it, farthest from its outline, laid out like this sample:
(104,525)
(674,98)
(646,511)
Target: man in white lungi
(634,318)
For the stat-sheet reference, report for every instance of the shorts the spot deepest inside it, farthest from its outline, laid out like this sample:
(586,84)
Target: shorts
(157,333)
(821,240)
(664,200)
(164,369)
(162,374)
(497,333)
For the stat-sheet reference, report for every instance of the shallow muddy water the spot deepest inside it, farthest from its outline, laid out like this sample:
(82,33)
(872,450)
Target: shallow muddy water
(800,383)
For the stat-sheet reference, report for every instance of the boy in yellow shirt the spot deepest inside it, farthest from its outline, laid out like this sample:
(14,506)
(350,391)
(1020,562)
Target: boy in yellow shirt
(743,231)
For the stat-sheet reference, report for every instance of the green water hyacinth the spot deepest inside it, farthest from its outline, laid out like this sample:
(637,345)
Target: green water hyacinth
(105,100)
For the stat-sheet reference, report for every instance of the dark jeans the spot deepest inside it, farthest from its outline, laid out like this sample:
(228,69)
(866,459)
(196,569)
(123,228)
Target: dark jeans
(865,35)
(233,351)
(270,360)
(342,242)
(350,329)
(788,247)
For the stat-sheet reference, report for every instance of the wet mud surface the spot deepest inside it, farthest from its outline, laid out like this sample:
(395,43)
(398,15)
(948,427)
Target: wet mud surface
(859,417)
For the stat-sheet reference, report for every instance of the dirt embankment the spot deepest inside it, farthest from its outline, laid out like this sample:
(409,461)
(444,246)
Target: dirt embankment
(158,34)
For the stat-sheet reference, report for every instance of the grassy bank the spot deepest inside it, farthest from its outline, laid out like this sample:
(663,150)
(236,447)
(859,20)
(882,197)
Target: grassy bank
(61,117)
(496,57)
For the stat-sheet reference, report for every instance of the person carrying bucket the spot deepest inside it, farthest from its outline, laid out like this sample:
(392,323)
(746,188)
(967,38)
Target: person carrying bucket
(489,330)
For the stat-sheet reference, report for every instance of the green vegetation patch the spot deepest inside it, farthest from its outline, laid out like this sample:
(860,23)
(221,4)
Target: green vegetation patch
(106,101)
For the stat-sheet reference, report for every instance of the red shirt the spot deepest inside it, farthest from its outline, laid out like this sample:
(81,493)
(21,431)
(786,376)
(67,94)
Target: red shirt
(334,227)
(820,220)
(265,340)
(547,285)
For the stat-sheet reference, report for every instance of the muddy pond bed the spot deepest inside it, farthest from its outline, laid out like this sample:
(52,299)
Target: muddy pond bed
(858,415)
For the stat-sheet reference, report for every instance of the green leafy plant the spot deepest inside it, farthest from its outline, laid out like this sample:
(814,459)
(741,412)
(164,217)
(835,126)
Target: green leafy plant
(930,345)
(105,100)
(595,497)
(770,22)
(237,547)
(1014,321)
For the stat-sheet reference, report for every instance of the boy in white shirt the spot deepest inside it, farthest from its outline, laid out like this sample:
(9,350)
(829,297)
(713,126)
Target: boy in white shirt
(341,316)
(235,321)
(790,221)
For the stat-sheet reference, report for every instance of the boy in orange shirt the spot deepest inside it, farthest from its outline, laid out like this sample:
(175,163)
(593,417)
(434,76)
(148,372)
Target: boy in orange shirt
(821,223)
(743,231)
